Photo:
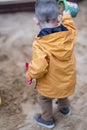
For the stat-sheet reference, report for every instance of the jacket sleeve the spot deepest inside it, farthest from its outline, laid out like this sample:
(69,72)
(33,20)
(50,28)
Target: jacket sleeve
(67,21)
(38,66)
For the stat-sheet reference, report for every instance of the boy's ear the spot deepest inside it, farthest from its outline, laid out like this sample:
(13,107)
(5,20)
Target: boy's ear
(36,20)
(60,19)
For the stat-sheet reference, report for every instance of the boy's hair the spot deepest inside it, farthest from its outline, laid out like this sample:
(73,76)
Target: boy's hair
(46,10)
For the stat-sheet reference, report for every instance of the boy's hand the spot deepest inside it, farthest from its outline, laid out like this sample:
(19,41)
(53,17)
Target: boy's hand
(66,12)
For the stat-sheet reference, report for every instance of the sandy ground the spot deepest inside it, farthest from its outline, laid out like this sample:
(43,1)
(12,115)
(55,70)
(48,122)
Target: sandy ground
(19,103)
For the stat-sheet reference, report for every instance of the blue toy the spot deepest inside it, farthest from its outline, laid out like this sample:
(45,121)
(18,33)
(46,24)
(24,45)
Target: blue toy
(72,7)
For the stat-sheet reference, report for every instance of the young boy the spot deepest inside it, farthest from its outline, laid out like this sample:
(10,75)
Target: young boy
(53,63)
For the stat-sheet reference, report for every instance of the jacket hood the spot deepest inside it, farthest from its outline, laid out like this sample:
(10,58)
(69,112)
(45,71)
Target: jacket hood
(57,41)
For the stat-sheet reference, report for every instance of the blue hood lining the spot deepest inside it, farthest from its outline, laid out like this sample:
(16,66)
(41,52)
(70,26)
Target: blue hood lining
(47,31)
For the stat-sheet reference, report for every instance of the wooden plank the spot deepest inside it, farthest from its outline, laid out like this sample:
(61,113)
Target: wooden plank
(6,2)
(20,6)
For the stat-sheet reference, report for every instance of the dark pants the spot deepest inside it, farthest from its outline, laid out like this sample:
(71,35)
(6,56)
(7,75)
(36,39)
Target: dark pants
(46,106)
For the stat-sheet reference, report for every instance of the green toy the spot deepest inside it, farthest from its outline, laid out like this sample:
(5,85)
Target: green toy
(72,7)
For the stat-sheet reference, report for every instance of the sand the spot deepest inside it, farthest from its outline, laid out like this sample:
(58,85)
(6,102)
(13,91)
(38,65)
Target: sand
(19,103)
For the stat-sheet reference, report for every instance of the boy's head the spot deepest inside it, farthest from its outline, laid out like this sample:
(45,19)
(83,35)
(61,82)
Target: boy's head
(46,11)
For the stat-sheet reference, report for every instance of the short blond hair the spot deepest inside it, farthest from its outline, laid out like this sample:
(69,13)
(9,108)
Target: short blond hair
(46,10)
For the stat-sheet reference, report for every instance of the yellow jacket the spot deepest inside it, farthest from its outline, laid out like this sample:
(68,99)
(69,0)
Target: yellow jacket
(53,63)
